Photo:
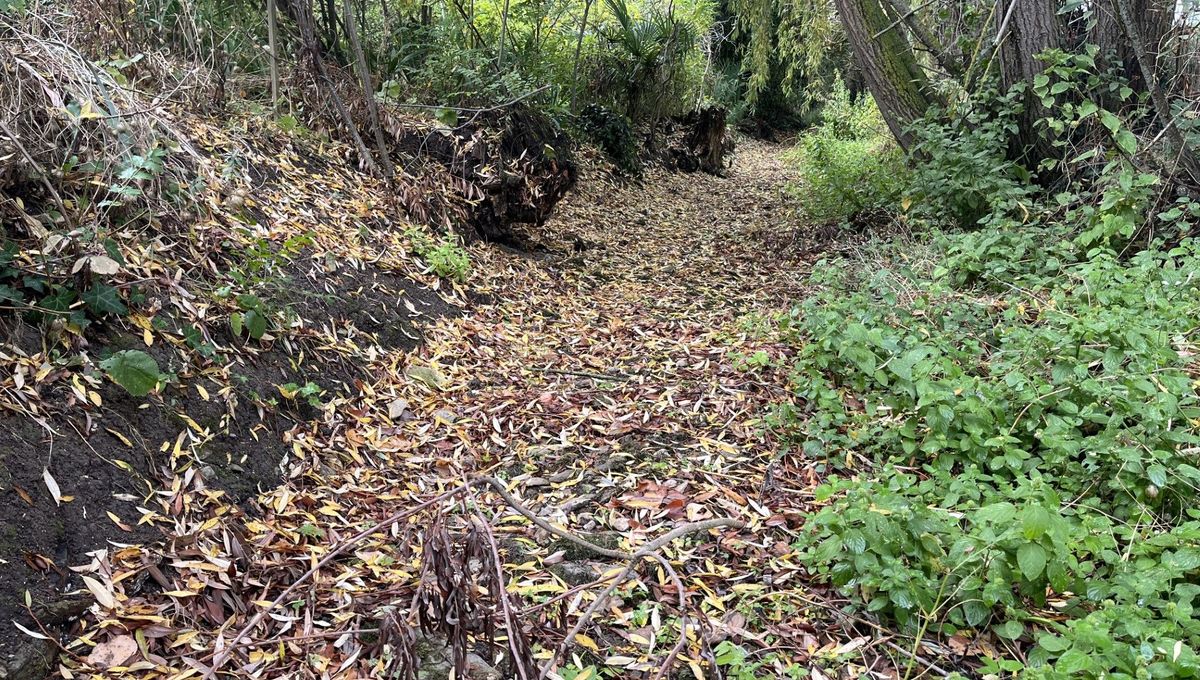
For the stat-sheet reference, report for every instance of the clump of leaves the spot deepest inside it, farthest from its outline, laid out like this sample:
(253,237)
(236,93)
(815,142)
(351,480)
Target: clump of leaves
(309,392)
(252,319)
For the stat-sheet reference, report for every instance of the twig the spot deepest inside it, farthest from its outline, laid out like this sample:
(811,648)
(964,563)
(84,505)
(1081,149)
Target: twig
(683,618)
(62,207)
(913,656)
(584,374)
(514,628)
(467,109)
(902,19)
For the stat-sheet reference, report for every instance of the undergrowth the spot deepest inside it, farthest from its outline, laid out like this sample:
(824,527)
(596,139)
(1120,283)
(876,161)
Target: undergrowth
(1010,415)
(850,165)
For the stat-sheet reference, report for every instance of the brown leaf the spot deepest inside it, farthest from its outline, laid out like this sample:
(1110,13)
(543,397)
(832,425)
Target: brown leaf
(114,652)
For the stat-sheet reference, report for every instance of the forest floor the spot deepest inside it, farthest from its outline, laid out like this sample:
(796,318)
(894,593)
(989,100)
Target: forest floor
(620,380)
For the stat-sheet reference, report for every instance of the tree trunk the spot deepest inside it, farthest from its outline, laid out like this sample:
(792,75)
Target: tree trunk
(1145,60)
(312,50)
(503,34)
(1033,27)
(889,66)
(1153,18)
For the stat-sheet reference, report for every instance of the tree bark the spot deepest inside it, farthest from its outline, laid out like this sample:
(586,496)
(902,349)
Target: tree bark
(889,66)
(1145,60)
(1153,20)
(1033,27)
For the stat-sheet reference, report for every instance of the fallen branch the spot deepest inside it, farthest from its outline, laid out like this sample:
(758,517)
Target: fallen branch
(650,550)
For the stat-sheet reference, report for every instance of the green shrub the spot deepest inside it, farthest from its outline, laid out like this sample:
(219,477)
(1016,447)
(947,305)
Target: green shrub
(964,174)
(1036,445)
(850,164)
(614,135)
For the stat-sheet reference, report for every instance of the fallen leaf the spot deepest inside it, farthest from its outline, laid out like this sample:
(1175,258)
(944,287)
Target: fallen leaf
(102,594)
(113,652)
(52,485)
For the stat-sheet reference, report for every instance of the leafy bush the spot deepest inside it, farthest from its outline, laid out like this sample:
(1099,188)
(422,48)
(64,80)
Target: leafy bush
(614,135)
(850,164)
(964,173)
(1037,448)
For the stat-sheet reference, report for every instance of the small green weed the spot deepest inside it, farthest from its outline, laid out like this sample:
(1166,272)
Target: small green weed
(444,257)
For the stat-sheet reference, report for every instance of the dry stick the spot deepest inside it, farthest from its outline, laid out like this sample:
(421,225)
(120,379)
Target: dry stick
(364,77)
(271,42)
(587,6)
(923,36)
(508,615)
(584,374)
(62,207)
(683,618)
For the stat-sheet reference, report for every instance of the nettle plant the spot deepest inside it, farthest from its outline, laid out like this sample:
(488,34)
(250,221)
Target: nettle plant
(1036,446)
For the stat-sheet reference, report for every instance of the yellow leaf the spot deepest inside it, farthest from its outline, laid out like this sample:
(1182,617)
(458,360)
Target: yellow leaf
(587,642)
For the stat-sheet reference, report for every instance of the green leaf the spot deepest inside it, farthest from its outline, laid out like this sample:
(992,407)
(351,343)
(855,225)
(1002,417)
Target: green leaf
(1035,522)
(1010,630)
(447,117)
(1073,661)
(236,324)
(1110,121)
(1157,475)
(256,324)
(1126,141)
(1031,558)
(248,301)
(1054,643)
(102,299)
(134,370)
(997,512)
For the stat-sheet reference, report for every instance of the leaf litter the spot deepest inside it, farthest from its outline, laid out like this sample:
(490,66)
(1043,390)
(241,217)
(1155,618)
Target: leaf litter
(612,386)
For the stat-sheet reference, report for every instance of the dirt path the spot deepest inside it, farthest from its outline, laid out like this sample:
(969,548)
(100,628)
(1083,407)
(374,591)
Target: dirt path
(620,391)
